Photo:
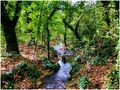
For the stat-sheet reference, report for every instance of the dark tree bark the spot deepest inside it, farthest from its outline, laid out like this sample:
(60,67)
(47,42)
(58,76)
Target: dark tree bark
(11,40)
(9,27)
(65,39)
(65,36)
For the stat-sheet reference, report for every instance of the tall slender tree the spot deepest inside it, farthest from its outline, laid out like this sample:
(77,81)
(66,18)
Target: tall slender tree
(47,29)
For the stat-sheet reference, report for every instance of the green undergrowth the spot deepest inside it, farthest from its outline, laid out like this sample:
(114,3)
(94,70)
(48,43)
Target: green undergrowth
(48,64)
(83,82)
(23,70)
(112,79)
(29,70)
(7,81)
(98,52)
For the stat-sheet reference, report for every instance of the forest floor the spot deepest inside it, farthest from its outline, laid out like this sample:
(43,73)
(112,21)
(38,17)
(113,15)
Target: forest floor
(26,82)
(96,74)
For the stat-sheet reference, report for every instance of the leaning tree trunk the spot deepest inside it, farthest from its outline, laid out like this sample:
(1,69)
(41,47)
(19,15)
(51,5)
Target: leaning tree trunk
(9,27)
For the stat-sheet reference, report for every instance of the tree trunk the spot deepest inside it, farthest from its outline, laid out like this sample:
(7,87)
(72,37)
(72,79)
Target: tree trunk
(107,17)
(65,39)
(11,40)
(47,29)
(77,35)
(48,40)
(9,27)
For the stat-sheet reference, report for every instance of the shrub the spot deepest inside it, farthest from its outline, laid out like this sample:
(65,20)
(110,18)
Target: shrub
(98,51)
(112,81)
(30,70)
(7,77)
(83,82)
(47,63)
(53,52)
(75,69)
(9,81)
(22,68)
(33,72)
(99,61)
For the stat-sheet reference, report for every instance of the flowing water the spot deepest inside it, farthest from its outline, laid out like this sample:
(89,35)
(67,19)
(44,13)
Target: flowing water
(57,80)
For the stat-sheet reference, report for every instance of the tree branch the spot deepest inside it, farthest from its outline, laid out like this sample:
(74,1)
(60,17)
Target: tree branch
(77,24)
(52,13)
(17,12)
(72,29)
(68,25)
(4,15)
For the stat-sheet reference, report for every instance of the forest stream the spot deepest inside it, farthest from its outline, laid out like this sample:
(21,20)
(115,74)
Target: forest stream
(60,44)
(58,79)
